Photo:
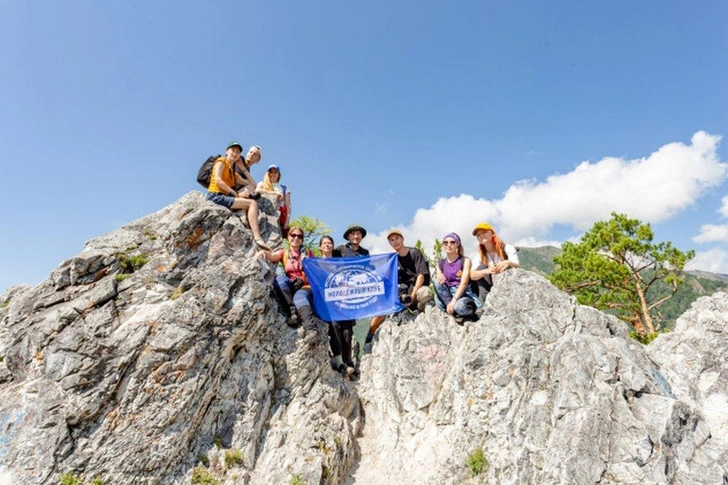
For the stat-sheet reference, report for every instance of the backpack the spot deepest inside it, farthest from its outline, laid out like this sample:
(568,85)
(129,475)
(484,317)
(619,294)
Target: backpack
(305,253)
(205,171)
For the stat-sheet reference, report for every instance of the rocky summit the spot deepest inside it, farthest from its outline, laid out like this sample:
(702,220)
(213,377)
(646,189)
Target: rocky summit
(158,355)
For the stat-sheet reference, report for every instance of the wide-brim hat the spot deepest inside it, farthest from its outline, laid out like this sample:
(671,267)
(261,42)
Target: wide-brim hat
(392,232)
(355,227)
(483,226)
(235,144)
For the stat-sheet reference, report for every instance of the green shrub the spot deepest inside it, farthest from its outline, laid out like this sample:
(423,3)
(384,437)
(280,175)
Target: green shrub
(122,276)
(297,480)
(176,293)
(71,479)
(202,476)
(204,460)
(648,337)
(129,264)
(97,481)
(233,457)
(150,234)
(476,462)
(5,304)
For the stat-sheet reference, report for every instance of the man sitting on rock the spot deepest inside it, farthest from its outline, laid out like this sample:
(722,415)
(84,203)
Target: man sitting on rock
(221,191)
(413,281)
(242,168)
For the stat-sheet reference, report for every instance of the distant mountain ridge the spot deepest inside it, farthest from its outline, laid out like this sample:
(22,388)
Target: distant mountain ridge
(697,283)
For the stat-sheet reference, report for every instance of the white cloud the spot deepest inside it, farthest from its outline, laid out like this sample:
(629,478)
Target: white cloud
(712,233)
(650,189)
(714,260)
(724,208)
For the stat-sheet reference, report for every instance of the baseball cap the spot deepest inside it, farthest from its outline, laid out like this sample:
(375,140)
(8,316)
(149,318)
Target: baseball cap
(392,232)
(483,226)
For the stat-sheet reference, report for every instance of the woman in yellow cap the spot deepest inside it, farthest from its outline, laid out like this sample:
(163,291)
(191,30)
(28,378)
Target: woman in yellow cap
(496,256)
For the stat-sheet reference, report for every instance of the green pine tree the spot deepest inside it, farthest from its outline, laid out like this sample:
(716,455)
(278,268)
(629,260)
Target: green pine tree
(614,266)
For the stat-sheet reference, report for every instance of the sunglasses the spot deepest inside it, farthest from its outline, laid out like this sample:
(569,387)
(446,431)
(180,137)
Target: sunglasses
(447,243)
(296,236)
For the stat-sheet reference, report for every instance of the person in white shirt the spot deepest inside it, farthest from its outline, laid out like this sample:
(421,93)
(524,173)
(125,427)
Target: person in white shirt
(496,256)
(271,184)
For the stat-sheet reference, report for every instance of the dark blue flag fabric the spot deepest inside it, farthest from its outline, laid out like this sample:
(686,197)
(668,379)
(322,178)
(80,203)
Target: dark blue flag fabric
(350,288)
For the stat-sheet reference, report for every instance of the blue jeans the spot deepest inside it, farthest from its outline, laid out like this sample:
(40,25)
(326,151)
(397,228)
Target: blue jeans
(466,304)
(302,297)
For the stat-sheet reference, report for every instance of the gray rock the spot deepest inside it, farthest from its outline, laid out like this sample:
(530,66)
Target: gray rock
(550,391)
(158,354)
(185,360)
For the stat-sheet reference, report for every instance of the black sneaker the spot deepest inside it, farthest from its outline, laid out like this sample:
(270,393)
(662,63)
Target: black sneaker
(294,321)
(345,370)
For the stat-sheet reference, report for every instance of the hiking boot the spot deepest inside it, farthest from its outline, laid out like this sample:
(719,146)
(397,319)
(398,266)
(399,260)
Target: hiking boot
(459,320)
(345,370)
(294,320)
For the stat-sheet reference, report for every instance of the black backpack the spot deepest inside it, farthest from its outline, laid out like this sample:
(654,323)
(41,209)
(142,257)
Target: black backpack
(205,171)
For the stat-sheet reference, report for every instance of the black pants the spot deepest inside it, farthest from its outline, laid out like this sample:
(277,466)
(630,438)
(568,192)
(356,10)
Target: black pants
(483,286)
(340,335)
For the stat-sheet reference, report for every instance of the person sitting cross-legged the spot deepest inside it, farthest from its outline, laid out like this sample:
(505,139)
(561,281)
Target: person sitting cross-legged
(454,295)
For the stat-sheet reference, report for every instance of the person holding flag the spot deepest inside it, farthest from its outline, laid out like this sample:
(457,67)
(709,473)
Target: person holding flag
(292,286)
(413,279)
(354,285)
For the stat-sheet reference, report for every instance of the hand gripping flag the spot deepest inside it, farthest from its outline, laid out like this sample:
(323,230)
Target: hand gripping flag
(350,288)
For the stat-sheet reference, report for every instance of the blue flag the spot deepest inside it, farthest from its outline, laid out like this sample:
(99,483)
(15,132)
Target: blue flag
(351,288)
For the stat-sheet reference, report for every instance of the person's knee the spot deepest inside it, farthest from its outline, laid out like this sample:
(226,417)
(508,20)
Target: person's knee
(464,307)
(301,298)
(424,295)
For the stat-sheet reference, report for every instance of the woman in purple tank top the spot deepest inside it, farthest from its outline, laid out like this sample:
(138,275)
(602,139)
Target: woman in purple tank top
(454,295)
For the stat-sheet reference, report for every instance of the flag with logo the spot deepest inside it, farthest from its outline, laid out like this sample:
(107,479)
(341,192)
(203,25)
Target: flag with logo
(351,288)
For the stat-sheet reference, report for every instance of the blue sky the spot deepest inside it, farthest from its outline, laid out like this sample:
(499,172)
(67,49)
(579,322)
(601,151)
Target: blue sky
(538,117)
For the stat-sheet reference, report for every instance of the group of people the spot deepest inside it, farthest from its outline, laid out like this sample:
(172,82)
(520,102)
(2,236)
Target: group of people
(295,294)
(459,288)
(232,186)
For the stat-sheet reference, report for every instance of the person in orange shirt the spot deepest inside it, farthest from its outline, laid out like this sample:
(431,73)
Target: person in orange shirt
(221,190)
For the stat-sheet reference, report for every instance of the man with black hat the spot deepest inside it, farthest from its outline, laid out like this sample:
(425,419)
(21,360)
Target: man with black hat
(343,330)
(354,234)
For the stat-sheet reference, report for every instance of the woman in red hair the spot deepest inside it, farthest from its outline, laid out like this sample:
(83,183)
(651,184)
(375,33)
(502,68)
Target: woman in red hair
(496,256)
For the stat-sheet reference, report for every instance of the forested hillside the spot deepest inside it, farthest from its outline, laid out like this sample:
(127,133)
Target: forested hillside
(697,283)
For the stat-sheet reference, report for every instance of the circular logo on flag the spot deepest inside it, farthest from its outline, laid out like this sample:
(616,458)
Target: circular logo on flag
(353,287)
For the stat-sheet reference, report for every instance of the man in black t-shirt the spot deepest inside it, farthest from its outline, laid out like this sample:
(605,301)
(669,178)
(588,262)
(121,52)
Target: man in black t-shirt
(414,278)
